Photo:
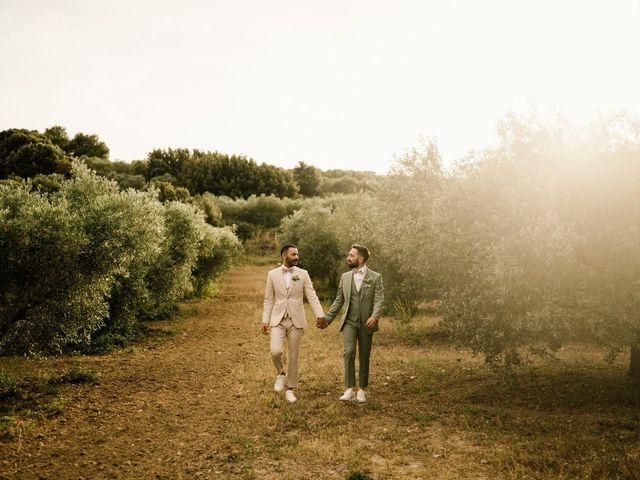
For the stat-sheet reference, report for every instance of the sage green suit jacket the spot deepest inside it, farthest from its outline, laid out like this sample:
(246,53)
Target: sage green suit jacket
(371,298)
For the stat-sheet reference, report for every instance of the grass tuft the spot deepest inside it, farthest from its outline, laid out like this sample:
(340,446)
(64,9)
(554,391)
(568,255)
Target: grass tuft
(9,388)
(358,475)
(76,375)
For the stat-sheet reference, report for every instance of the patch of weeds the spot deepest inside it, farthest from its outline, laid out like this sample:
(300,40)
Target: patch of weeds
(437,334)
(479,417)
(107,342)
(416,331)
(358,475)
(294,422)
(423,419)
(9,388)
(11,427)
(272,448)
(53,407)
(167,332)
(6,424)
(187,312)
(46,386)
(76,375)
(240,448)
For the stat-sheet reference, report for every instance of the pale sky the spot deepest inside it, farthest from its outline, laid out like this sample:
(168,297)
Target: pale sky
(337,84)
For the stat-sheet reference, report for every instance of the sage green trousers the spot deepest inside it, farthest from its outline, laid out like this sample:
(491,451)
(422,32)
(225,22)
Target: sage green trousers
(356,336)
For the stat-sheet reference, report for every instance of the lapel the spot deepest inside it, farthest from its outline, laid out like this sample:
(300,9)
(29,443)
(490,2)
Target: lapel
(361,292)
(347,286)
(283,284)
(365,280)
(292,285)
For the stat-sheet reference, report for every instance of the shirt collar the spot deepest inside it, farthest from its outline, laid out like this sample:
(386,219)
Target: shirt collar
(363,270)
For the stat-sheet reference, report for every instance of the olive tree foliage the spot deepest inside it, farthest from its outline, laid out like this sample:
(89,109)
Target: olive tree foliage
(395,223)
(405,228)
(259,210)
(85,259)
(216,252)
(545,233)
(61,254)
(318,244)
(525,246)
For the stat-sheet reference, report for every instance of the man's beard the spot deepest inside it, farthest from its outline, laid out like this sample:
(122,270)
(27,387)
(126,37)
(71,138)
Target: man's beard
(351,265)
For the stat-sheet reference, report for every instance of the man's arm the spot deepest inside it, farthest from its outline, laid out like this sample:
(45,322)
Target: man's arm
(269,300)
(378,299)
(312,297)
(378,303)
(337,304)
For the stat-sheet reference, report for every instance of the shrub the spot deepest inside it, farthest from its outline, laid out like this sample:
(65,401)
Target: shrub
(9,387)
(170,274)
(76,375)
(81,265)
(265,211)
(52,295)
(218,248)
(310,230)
(208,204)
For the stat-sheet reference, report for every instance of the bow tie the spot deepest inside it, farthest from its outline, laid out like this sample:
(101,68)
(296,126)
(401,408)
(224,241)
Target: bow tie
(290,270)
(358,270)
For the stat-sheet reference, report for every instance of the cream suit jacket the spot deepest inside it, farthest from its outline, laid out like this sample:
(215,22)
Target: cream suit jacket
(278,300)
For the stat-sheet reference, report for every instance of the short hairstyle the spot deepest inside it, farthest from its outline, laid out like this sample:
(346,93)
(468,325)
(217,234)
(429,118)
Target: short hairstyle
(362,251)
(286,248)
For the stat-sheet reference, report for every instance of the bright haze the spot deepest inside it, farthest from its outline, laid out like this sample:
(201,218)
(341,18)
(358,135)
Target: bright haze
(337,84)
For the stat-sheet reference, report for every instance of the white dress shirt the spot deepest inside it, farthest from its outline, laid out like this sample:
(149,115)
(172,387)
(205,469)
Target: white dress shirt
(358,276)
(287,276)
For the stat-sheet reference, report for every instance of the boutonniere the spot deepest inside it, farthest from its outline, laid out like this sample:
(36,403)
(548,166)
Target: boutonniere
(367,283)
(295,278)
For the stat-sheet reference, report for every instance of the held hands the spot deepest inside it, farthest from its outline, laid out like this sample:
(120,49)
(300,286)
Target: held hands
(321,323)
(371,322)
(265,328)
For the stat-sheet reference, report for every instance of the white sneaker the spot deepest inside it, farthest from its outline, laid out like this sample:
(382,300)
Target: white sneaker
(361,396)
(291,398)
(279,385)
(348,395)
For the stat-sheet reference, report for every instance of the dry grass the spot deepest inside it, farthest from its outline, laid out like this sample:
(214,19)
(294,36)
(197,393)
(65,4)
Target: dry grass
(201,405)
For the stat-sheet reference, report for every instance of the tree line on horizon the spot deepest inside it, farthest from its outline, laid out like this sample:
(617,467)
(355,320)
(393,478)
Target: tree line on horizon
(27,153)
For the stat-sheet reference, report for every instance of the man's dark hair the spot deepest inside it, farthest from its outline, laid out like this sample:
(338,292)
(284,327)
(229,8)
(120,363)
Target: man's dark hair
(286,249)
(362,251)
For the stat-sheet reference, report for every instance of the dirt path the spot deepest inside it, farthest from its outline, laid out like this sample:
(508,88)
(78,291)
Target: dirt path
(201,405)
(156,413)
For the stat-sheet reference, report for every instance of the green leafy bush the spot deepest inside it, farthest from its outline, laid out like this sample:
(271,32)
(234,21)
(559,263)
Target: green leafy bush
(527,245)
(86,261)
(265,211)
(217,250)
(310,230)
(9,387)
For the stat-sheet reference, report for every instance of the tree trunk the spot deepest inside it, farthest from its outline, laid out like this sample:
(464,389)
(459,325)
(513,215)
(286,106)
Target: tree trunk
(634,364)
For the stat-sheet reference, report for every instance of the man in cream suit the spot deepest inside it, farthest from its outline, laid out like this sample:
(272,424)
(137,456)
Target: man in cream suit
(362,294)
(284,315)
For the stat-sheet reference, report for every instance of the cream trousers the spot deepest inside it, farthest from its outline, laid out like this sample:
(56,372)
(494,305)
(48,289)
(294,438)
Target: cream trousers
(286,330)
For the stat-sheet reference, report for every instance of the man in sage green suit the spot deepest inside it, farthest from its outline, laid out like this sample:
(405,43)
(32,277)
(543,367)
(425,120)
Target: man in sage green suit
(362,294)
